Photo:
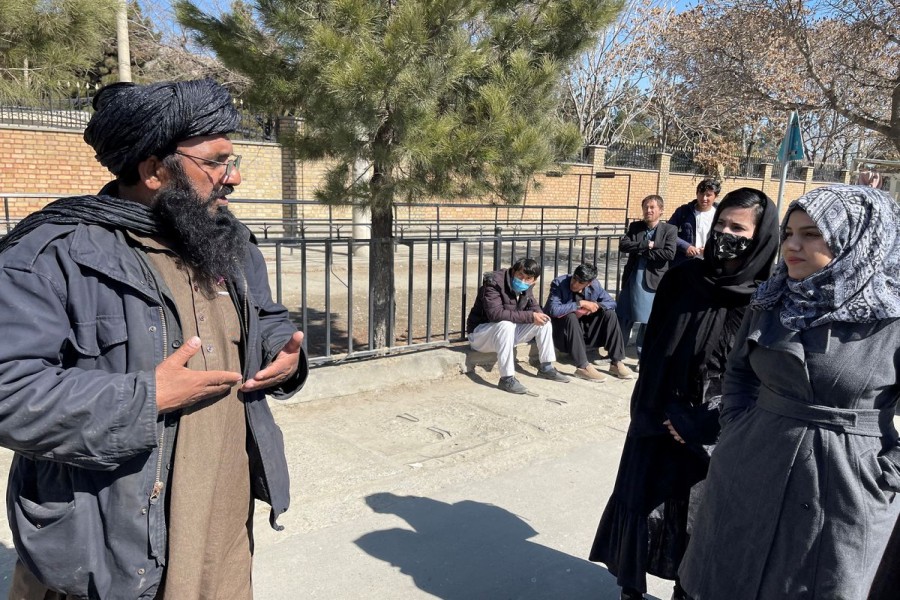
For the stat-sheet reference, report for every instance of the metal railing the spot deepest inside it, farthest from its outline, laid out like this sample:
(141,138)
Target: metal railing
(69,107)
(633,155)
(829,172)
(796,170)
(427,220)
(325,285)
(437,277)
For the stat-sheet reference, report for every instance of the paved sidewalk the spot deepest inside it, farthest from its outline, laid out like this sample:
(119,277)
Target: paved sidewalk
(414,477)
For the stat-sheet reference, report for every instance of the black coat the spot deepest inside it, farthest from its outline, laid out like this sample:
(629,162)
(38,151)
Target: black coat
(695,317)
(635,246)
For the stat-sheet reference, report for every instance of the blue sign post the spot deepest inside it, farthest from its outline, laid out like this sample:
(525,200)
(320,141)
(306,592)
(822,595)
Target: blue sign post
(791,149)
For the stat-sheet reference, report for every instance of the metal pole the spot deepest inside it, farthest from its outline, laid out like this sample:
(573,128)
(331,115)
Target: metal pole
(784,170)
(122,45)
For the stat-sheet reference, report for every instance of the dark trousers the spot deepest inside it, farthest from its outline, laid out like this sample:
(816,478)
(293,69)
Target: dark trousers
(575,336)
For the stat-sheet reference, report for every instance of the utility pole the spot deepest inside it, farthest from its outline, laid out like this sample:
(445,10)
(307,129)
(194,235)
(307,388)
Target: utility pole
(124,50)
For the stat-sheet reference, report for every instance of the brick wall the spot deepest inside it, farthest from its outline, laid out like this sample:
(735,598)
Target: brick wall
(47,161)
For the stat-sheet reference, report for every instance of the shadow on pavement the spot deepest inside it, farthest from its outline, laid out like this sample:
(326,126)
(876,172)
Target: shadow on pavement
(7,563)
(471,550)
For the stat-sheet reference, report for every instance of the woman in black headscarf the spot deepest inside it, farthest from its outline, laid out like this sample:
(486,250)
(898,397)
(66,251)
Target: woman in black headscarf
(674,408)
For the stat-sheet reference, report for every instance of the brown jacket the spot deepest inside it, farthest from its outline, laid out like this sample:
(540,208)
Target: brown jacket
(496,301)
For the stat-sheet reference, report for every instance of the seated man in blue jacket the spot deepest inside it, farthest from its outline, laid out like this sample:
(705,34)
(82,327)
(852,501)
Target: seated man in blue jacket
(506,313)
(583,315)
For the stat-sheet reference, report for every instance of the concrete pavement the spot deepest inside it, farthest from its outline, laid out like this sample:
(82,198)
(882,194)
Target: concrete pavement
(414,477)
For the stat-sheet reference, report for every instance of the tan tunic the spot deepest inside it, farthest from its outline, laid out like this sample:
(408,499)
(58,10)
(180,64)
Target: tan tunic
(209,502)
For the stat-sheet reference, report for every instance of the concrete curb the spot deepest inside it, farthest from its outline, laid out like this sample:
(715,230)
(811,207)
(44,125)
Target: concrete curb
(359,377)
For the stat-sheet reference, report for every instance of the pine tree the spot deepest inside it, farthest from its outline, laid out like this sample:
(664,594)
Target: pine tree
(436,98)
(43,42)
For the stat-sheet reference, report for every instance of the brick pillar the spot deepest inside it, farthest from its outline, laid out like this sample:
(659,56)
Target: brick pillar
(845,175)
(664,162)
(807,178)
(767,186)
(597,157)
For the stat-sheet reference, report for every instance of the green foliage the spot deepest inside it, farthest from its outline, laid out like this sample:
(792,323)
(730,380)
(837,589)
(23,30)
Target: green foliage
(437,98)
(45,41)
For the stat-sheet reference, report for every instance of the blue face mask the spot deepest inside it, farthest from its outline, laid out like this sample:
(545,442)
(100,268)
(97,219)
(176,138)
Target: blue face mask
(519,286)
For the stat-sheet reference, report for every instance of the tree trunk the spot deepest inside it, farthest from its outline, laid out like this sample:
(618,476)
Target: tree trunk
(381,275)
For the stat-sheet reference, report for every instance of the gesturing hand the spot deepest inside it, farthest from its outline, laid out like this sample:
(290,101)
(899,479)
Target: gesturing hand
(284,365)
(177,386)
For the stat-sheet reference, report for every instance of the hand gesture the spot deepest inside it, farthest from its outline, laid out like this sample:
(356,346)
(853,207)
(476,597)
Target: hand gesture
(280,369)
(177,386)
(694,251)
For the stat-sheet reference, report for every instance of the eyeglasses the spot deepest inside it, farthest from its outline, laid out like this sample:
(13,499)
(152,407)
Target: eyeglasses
(230,165)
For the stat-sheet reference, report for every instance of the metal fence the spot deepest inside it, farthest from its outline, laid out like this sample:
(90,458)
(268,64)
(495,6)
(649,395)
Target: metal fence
(325,285)
(410,220)
(796,171)
(829,172)
(322,276)
(683,160)
(633,155)
(69,107)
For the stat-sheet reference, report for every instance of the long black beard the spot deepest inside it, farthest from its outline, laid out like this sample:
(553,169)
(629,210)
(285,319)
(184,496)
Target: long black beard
(211,240)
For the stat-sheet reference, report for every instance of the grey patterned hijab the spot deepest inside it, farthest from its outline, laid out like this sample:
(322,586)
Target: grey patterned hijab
(861,284)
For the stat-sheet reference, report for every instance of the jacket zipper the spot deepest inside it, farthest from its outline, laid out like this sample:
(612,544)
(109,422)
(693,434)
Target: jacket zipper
(158,484)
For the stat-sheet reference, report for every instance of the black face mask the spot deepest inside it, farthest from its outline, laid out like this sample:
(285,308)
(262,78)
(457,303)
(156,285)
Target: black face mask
(728,246)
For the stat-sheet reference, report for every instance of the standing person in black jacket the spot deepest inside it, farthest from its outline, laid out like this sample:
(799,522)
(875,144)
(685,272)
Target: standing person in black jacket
(650,245)
(694,221)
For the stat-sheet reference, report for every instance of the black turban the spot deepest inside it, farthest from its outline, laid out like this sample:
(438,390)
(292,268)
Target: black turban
(134,122)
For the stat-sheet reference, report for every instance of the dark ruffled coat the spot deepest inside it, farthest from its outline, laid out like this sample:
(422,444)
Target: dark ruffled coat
(696,315)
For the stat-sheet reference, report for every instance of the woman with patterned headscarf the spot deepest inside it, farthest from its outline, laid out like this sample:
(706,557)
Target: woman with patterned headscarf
(800,494)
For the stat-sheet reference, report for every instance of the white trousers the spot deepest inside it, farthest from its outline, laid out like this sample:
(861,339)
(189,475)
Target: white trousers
(502,338)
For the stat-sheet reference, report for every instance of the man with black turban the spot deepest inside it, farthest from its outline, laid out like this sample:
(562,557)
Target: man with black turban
(139,341)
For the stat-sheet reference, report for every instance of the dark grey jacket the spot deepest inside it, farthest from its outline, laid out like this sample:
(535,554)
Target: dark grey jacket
(635,245)
(800,497)
(84,323)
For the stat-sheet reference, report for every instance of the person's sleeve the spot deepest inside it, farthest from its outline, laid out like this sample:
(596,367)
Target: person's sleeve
(741,385)
(677,221)
(629,245)
(889,459)
(890,469)
(604,299)
(496,312)
(664,249)
(695,425)
(87,418)
(554,306)
(275,326)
